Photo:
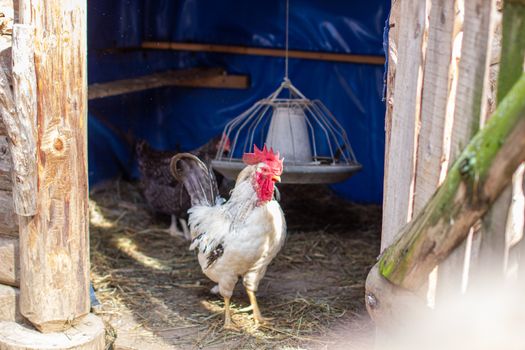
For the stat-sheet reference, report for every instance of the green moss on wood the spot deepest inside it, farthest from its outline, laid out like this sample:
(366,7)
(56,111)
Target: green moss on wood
(469,170)
(512,46)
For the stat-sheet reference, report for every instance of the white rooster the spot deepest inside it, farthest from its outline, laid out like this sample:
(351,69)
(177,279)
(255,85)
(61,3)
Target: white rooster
(239,237)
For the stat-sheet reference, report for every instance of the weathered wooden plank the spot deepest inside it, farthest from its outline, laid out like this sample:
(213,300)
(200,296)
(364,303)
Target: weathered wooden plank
(437,87)
(477,33)
(259,51)
(473,183)
(54,250)
(399,184)
(9,261)
(393,37)
(494,247)
(194,77)
(9,310)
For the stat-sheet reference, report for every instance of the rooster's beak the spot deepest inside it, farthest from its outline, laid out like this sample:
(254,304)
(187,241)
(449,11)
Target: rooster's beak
(276,178)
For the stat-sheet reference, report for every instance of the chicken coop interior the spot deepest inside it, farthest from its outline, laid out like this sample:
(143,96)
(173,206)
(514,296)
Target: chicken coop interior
(282,174)
(149,285)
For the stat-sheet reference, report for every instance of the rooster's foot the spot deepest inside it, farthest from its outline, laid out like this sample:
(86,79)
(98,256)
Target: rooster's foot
(230,326)
(262,321)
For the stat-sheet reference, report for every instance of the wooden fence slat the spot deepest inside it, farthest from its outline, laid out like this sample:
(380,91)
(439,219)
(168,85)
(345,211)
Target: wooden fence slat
(437,84)
(393,38)
(474,182)
(400,168)
(494,248)
(477,32)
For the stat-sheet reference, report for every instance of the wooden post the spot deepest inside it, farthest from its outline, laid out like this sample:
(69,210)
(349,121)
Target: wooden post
(54,251)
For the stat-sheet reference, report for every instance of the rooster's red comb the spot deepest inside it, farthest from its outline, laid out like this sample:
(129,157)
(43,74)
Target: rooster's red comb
(264,156)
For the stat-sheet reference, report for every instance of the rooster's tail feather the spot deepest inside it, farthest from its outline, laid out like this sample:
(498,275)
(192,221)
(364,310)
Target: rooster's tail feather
(198,180)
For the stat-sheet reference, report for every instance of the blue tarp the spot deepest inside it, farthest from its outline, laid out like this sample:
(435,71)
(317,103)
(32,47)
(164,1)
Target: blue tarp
(185,118)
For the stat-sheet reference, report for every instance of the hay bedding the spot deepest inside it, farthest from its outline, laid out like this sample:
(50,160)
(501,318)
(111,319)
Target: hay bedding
(154,295)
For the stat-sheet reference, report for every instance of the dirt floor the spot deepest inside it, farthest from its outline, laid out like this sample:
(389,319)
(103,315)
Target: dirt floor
(154,295)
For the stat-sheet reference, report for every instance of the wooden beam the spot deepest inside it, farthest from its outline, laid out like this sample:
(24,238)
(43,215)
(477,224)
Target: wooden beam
(388,305)
(402,146)
(259,51)
(9,261)
(473,183)
(225,81)
(194,77)
(54,246)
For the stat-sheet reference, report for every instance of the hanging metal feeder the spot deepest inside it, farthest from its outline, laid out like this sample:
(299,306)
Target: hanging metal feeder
(314,145)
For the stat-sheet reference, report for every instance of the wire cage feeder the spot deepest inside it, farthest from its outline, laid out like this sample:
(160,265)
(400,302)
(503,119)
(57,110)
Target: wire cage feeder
(314,145)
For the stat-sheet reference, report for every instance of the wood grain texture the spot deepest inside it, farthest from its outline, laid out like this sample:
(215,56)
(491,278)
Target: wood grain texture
(21,127)
(87,334)
(6,28)
(437,88)
(495,223)
(54,249)
(5,165)
(472,67)
(8,217)
(9,258)
(393,37)
(477,32)
(399,183)
(9,310)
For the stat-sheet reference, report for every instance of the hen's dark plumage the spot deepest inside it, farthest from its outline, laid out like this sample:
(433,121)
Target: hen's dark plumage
(163,193)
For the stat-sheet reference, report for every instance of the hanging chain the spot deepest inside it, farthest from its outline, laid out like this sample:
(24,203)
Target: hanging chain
(286,40)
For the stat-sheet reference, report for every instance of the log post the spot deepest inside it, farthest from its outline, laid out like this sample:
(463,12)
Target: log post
(473,183)
(54,250)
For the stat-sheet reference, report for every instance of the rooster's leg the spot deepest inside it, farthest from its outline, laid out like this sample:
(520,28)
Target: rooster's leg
(227,315)
(256,312)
